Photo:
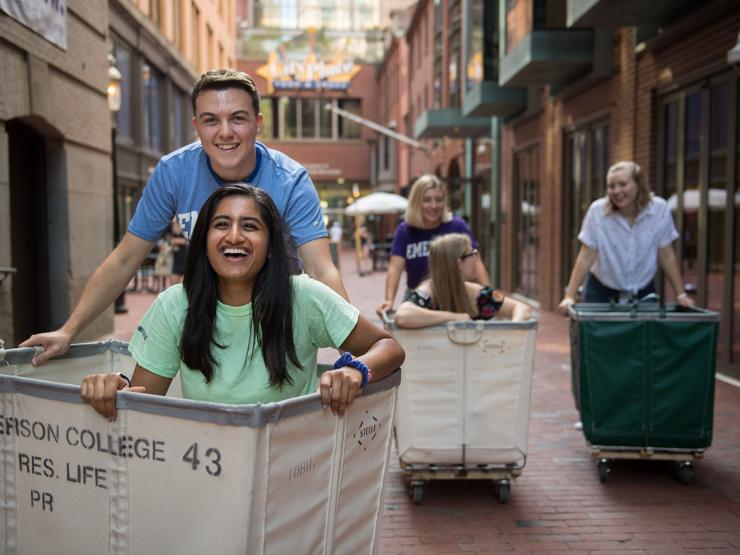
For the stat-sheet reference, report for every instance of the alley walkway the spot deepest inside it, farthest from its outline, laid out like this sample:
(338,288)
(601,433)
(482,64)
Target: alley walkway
(558,504)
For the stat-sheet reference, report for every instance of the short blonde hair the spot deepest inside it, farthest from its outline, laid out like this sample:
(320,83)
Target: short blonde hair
(421,186)
(448,285)
(635,172)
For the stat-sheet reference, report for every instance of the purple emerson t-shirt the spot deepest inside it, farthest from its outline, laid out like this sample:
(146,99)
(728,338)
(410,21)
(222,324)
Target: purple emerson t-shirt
(412,244)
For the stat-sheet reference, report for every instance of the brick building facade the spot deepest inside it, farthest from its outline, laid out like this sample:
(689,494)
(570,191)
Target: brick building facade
(55,169)
(524,104)
(57,133)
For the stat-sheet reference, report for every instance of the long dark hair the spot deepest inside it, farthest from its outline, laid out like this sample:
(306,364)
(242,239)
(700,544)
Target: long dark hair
(272,295)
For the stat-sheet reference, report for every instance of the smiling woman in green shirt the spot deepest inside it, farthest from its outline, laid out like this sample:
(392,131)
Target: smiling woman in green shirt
(243,328)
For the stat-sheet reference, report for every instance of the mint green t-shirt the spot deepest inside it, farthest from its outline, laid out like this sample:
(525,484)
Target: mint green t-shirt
(321,318)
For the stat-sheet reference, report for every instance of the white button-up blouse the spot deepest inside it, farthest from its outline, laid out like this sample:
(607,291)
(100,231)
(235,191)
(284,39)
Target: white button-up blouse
(627,255)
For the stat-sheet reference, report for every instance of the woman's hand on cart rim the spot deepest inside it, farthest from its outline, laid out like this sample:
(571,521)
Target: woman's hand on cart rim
(685,300)
(384,307)
(99,391)
(338,388)
(565,304)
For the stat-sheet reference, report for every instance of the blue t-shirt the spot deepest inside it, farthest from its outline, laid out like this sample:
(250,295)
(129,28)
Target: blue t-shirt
(184,179)
(412,244)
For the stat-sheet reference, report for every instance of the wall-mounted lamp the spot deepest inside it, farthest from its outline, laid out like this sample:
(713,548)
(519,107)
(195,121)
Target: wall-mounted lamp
(733,55)
(5,271)
(114,85)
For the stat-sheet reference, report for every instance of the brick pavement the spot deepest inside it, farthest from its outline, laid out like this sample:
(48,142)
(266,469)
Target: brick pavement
(558,504)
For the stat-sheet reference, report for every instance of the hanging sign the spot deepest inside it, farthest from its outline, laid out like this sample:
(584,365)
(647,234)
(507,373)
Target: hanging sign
(48,18)
(309,74)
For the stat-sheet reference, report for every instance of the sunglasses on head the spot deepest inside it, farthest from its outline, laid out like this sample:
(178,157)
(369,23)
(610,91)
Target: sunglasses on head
(474,252)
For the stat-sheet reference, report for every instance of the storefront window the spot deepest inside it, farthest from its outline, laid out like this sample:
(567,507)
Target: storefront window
(474,63)
(696,139)
(308,118)
(735,336)
(289,117)
(325,119)
(177,119)
(123,63)
(527,187)
(349,129)
(690,236)
(716,199)
(268,118)
(587,160)
(152,99)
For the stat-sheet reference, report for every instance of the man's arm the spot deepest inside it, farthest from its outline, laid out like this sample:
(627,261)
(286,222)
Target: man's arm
(101,290)
(317,263)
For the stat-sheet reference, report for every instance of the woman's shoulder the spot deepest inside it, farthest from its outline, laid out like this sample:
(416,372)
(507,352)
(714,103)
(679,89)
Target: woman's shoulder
(659,203)
(422,296)
(305,287)
(598,205)
(173,295)
(454,224)
(473,288)
(172,303)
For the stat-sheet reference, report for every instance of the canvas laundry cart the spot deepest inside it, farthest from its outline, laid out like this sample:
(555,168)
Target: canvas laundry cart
(178,476)
(643,381)
(463,404)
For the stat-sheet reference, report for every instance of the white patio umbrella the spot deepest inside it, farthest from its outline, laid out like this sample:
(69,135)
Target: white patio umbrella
(717,199)
(377,203)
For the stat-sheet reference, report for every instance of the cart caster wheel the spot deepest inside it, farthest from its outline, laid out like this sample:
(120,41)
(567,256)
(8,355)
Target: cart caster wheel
(504,489)
(686,472)
(604,470)
(417,492)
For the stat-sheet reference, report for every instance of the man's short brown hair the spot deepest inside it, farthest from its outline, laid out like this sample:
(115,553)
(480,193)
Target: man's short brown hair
(221,79)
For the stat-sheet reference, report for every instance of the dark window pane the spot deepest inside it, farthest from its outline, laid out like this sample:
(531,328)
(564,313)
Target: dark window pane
(289,116)
(718,124)
(718,129)
(152,104)
(736,251)
(177,121)
(308,118)
(527,185)
(123,63)
(692,148)
(670,114)
(349,129)
(325,118)
(268,120)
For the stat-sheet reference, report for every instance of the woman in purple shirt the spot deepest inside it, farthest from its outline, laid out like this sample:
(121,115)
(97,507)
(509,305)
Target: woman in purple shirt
(427,217)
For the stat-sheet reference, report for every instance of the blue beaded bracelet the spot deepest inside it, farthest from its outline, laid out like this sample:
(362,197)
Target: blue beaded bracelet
(348,360)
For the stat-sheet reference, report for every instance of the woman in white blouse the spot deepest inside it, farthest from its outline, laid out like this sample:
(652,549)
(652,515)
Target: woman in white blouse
(624,236)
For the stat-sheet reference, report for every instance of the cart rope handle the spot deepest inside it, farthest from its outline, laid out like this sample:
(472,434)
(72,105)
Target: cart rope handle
(649,298)
(454,333)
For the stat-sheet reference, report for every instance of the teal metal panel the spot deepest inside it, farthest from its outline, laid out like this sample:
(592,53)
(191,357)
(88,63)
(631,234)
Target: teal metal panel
(449,122)
(596,13)
(548,56)
(488,99)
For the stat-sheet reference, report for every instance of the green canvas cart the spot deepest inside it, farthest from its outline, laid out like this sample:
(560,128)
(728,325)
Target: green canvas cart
(643,381)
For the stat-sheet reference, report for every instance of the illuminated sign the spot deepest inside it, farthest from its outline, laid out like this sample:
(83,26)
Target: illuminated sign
(309,74)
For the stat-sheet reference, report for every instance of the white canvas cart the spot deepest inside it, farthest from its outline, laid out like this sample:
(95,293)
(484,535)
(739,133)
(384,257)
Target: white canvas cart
(463,404)
(177,476)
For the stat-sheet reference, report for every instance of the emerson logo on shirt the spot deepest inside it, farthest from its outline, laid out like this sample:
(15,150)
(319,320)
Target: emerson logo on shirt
(417,250)
(187,223)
